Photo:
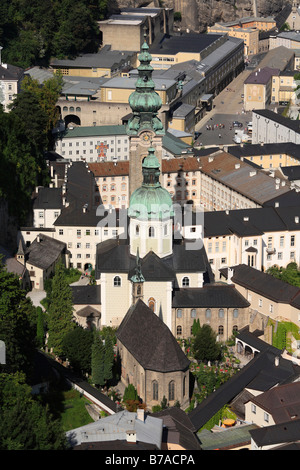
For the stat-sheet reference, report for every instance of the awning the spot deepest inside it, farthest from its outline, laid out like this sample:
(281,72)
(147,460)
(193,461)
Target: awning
(206,97)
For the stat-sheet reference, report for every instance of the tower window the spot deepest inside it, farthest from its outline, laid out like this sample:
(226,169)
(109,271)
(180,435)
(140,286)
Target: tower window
(117,281)
(151,232)
(185,282)
(151,304)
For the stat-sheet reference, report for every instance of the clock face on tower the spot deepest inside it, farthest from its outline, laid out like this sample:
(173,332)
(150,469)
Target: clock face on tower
(146,138)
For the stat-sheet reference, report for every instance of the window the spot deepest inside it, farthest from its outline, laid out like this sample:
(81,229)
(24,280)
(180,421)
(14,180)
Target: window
(151,304)
(253,408)
(193,313)
(185,282)
(271,308)
(260,302)
(60,231)
(155,390)
(179,313)
(292,240)
(266,417)
(235,312)
(172,390)
(151,232)
(221,313)
(78,233)
(179,330)
(221,330)
(41,215)
(117,281)
(208,313)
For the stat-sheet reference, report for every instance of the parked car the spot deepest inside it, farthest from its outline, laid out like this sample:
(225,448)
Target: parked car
(237,124)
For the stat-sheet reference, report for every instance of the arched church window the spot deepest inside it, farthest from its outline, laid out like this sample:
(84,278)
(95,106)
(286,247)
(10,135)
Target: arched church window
(171,390)
(117,281)
(221,313)
(151,304)
(139,290)
(179,330)
(208,313)
(155,390)
(235,312)
(179,313)
(185,282)
(137,229)
(234,329)
(151,232)
(221,330)
(193,313)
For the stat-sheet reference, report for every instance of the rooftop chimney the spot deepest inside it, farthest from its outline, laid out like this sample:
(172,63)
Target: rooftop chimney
(131,436)
(140,414)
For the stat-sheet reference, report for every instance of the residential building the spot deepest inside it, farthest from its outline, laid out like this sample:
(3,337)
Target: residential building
(123,430)
(41,257)
(10,83)
(250,36)
(261,23)
(269,297)
(105,63)
(259,238)
(125,31)
(283,88)
(288,39)
(271,127)
(276,406)
(229,183)
(285,155)
(283,436)
(106,143)
(86,305)
(258,88)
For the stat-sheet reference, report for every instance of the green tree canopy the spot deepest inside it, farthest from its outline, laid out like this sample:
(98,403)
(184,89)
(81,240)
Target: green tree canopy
(17,324)
(77,347)
(24,423)
(206,347)
(60,312)
(97,362)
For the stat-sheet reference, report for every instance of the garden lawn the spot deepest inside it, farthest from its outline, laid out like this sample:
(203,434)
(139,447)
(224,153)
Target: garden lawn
(75,413)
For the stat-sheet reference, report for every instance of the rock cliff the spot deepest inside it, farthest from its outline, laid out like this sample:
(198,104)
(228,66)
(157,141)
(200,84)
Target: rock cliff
(198,14)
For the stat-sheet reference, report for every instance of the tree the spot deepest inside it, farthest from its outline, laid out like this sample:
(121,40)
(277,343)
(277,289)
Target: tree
(205,346)
(108,359)
(47,95)
(60,312)
(195,327)
(17,324)
(40,328)
(24,423)
(77,347)
(97,362)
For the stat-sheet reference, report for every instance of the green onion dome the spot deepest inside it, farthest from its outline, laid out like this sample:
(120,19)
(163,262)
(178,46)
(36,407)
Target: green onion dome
(150,201)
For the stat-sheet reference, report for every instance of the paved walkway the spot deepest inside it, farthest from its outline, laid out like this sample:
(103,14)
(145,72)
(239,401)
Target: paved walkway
(36,296)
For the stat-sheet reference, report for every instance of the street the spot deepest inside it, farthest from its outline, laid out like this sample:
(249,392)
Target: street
(228,107)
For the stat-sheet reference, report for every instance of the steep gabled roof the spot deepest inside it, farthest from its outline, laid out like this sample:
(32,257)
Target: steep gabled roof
(150,341)
(262,283)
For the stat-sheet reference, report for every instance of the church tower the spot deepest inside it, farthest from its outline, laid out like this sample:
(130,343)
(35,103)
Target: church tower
(137,280)
(151,213)
(144,126)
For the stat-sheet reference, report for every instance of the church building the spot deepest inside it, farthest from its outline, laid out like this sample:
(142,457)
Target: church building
(145,274)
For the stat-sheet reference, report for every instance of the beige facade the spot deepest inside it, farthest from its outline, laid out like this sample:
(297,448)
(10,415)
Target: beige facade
(250,36)
(223,321)
(126,30)
(283,88)
(144,380)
